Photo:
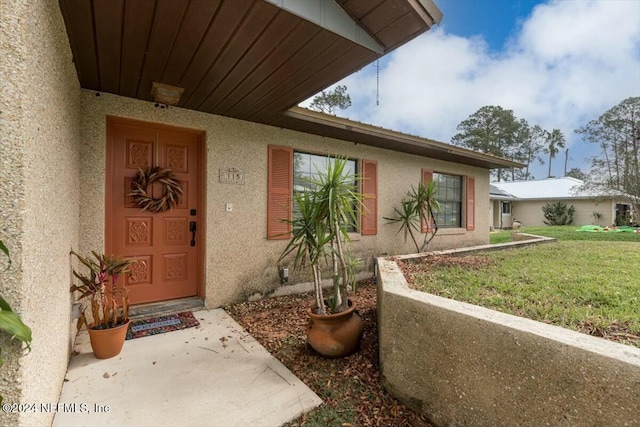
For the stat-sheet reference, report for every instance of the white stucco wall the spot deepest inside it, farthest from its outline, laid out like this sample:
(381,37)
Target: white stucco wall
(239,261)
(39,133)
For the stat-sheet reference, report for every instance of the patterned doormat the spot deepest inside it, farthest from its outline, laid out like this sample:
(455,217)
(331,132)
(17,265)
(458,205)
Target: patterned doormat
(160,325)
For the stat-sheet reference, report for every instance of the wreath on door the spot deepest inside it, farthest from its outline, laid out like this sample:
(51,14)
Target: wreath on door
(171,192)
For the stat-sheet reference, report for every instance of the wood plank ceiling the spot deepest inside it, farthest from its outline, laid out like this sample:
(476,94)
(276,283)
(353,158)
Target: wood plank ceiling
(248,59)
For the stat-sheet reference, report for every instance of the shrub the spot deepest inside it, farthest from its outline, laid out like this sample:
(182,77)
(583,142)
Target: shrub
(558,214)
(596,217)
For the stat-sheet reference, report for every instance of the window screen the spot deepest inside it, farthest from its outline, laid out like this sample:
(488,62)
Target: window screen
(449,196)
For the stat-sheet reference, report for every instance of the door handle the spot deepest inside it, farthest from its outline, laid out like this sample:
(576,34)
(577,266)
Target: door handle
(192,229)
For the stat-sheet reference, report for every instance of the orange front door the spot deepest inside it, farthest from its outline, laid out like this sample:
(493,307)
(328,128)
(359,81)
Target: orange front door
(164,243)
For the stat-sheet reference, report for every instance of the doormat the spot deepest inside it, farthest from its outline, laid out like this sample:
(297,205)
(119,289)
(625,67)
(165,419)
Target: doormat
(160,325)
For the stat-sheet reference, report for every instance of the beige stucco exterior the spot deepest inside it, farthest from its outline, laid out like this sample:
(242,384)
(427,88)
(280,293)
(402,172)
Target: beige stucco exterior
(52,196)
(529,212)
(39,209)
(228,277)
(234,143)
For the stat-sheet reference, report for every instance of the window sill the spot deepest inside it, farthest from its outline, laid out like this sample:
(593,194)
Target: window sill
(450,231)
(353,236)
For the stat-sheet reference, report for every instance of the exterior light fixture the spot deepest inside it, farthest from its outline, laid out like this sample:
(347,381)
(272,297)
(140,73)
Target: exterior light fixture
(284,274)
(166,94)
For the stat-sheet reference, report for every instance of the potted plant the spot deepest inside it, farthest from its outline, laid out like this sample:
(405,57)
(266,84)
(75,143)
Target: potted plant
(325,211)
(108,301)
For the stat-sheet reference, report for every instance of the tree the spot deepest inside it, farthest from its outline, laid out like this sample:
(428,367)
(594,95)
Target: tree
(616,170)
(554,142)
(530,145)
(494,130)
(330,101)
(489,130)
(577,173)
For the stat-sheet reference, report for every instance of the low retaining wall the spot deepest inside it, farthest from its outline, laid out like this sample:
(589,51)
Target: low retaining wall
(464,365)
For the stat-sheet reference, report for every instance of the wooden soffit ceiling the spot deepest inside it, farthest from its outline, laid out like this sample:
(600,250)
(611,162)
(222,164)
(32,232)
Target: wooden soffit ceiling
(248,59)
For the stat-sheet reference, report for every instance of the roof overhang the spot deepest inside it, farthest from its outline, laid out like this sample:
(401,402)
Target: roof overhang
(247,59)
(253,60)
(317,123)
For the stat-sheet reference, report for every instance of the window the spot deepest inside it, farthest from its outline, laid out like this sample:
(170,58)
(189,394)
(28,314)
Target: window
(452,191)
(506,208)
(449,196)
(285,168)
(309,166)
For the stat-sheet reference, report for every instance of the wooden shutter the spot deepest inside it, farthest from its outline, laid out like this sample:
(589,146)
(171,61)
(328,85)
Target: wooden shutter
(471,203)
(279,192)
(427,177)
(369,216)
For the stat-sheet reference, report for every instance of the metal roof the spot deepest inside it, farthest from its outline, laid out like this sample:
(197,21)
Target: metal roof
(309,121)
(545,189)
(498,194)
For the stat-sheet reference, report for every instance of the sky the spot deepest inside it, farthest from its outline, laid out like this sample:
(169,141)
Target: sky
(555,63)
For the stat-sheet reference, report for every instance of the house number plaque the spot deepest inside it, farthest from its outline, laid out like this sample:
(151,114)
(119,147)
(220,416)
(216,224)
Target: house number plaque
(232,175)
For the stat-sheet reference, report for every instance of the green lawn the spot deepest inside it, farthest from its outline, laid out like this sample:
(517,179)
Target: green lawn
(590,286)
(566,232)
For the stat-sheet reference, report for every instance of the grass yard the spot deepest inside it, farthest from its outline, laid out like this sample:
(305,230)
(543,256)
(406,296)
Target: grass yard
(587,285)
(565,232)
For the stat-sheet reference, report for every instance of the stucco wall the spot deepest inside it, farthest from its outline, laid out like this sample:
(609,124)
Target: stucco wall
(239,261)
(39,131)
(530,212)
(464,365)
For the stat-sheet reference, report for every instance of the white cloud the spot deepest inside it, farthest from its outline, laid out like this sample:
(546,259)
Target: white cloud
(566,64)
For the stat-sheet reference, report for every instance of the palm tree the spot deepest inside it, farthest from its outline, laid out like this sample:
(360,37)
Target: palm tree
(555,141)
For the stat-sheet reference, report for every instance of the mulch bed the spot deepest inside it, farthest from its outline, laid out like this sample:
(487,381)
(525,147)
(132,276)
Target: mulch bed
(350,387)
(417,268)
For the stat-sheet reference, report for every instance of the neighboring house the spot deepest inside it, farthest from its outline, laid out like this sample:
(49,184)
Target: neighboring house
(500,207)
(81,112)
(523,200)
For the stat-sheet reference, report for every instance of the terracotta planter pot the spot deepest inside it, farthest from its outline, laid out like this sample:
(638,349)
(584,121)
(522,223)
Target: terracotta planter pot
(108,343)
(335,335)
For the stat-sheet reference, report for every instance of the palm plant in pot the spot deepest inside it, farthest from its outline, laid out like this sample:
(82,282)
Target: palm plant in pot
(326,210)
(108,301)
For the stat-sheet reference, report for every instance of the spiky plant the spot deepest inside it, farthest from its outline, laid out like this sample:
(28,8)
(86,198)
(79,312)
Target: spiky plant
(109,302)
(327,210)
(417,208)
(308,241)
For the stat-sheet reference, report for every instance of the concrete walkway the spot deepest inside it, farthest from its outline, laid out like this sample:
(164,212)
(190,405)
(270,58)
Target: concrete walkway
(212,375)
